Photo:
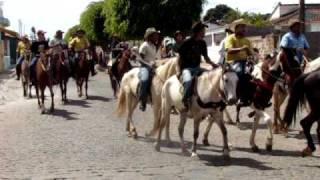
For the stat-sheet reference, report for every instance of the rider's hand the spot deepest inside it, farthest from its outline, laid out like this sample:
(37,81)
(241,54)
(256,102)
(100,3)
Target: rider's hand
(214,65)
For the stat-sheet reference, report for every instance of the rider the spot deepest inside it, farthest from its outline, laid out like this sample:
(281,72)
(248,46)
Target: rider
(190,58)
(37,46)
(148,53)
(179,39)
(23,46)
(295,40)
(57,45)
(80,43)
(238,49)
(222,51)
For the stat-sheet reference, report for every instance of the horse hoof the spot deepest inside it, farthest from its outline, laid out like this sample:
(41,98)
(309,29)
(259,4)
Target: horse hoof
(194,155)
(226,153)
(135,135)
(205,142)
(269,147)
(255,149)
(157,147)
(306,152)
(87,97)
(129,134)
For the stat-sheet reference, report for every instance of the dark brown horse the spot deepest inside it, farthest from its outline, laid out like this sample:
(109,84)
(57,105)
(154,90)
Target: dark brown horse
(118,69)
(82,73)
(306,86)
(25,75)
(44,79)
(62,74)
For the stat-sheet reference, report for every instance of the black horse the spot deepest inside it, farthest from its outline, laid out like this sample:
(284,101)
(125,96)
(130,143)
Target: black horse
(305,87)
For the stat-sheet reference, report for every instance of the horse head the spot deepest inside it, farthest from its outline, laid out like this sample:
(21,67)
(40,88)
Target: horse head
(27,55)
(228,84)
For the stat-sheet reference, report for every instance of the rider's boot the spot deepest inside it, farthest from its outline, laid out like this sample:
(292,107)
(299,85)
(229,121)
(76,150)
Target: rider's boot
(187,94)
(143,96)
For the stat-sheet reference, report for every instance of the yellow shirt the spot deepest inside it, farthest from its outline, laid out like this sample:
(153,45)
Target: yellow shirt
(233,42)
(22,47)
(79,44)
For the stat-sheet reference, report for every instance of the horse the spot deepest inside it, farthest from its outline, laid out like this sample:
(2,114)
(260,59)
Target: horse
(118,69)
(82,73)
(264,79)
(214,89)
(25,74)
(305,87)
(280,93)
(128,96)
(44,79)
(61,66)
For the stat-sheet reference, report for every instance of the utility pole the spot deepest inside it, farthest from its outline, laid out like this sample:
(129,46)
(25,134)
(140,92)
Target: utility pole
(302,15)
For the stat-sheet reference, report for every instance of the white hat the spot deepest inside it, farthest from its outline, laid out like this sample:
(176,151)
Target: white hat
(150,31)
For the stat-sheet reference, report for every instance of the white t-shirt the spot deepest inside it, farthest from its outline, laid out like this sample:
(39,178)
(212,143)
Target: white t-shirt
(222,51)
(149,51)
(58,49)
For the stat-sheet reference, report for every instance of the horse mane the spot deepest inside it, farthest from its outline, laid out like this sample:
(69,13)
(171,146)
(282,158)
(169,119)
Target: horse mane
(167,69)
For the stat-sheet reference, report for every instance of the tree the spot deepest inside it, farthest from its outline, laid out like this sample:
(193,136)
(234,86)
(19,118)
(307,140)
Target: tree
(217,13)
(92,21)
(130,18)
(71,31)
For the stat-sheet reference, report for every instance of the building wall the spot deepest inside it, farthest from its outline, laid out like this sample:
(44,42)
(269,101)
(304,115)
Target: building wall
(265,44)
(314,41)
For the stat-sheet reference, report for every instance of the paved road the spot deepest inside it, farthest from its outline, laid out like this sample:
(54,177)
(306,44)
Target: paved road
(85,140)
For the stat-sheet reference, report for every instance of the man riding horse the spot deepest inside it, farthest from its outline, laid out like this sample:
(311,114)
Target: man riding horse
(294,43)
(79,44)
(148,53)
(23,46)
(238,48)
(190,58)
(37,46)
(57,45)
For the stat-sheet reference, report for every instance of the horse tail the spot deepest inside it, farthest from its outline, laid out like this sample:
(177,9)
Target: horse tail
(296,99)
(121,108)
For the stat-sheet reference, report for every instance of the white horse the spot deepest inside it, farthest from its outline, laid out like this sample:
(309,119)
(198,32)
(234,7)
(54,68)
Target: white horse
(280,92)
(213,89)
(128,98)
(263,73)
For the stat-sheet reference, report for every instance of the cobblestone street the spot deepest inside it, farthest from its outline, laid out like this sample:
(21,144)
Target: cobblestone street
(86,140)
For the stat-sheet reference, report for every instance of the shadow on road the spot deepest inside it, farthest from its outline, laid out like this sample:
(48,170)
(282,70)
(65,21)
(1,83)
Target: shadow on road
(64,114)
(218,161)
(248,125)
(81,103)
(100,98)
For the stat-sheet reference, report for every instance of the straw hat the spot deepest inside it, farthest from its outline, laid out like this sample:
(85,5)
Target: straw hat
(236,23)
(150,31)
(294,22)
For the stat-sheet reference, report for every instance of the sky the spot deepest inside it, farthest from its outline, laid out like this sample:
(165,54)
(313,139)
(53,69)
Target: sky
(51,15)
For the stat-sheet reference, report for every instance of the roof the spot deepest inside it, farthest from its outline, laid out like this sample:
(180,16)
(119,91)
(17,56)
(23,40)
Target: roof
(8,32)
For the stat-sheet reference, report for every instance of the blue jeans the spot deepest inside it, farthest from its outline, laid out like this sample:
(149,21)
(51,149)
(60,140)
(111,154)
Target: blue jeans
(187,76)
(239,67)
(20,60)
(144,77)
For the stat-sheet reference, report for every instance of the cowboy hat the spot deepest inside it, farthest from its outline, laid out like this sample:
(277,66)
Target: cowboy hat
(59,32)
(236,23)
(150,31)
(41,32)
(198,26)
(294,22)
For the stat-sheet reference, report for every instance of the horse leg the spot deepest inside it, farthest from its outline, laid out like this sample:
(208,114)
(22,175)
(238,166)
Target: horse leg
(318,131)
(227,114)
(183,120)
(157,119)
(52,99)
(86,88)
(267,120)
(65,91)
(196,125)
(279,98)
(131,105)
(306,124)
(30,87)
(42,100)
(62,94)
(220,122)
(253,145)
(205,140)
(165,116)
(238,114)
(37,93)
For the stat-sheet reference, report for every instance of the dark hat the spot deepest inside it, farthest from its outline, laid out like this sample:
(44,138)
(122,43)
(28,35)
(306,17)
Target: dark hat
(198,26)
(294,22)
(41,32)
(59,32)
(228,30)
(177,33)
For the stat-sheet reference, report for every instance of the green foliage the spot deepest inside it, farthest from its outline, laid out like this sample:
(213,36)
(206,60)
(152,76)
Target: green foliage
(71,31)
(217,13)
(92,21)
(130,18)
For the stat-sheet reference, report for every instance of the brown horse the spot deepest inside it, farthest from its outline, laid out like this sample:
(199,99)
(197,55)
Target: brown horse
(25,72)
(82,73)
(62,74)
(292,71)
(118,69)
(44,79)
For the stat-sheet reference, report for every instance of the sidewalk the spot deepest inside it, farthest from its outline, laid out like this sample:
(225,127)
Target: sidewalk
(9,87)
